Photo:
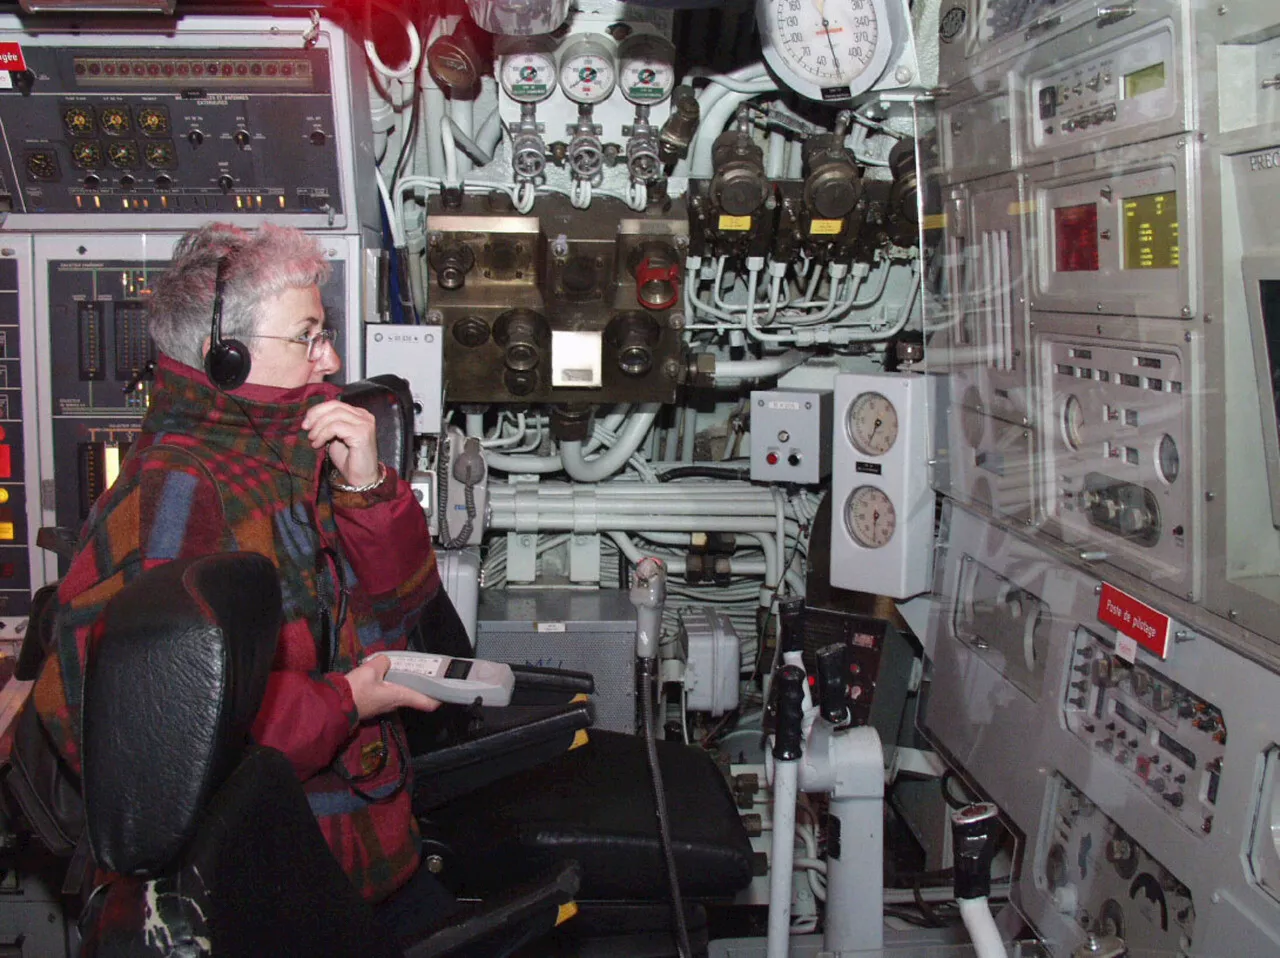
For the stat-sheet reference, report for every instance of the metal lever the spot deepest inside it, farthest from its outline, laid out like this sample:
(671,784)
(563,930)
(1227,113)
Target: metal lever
(1272,84)
(1113,13)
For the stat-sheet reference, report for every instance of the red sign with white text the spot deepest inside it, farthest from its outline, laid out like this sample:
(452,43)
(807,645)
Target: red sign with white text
(1137,620)
(11,57)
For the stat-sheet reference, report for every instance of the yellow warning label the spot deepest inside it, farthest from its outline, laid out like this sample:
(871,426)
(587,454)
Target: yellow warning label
(935,221)
(566,911)
(1021,208)
(728,222)
(825,227)
(579,739)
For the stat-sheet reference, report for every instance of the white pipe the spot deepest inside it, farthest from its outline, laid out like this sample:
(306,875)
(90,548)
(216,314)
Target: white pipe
(490,132)
(508,520)
(676,564)
(517,465)
(781,858)
(462,112)
(776,157)
(976,915)
(606,464)
(712,125)
(751,369)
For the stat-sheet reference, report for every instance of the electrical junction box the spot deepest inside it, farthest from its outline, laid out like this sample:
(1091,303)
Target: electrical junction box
(416,354)
(714,657)
(791,435)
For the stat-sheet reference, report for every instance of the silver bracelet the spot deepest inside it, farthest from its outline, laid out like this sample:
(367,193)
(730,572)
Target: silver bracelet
(367,487)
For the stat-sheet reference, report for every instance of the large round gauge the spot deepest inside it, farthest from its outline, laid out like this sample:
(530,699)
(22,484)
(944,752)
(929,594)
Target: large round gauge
(1072,422)
(870,517)
(646,68)
(528,76)
(1167,459)
(872,424)
(827,50)
(588,71)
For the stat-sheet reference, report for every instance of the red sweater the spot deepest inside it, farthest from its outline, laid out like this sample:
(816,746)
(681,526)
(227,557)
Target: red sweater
(213,473)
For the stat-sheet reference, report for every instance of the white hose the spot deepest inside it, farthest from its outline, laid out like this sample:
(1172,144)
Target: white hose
(371,50)
(782,854)
(712,125)
(982,929)
(462,112)
(606,464)
(752,369)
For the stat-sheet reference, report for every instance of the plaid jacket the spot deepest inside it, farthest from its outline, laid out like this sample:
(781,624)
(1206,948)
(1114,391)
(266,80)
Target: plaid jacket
(213,473)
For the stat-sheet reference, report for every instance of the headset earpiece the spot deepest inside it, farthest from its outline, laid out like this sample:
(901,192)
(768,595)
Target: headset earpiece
(227,362)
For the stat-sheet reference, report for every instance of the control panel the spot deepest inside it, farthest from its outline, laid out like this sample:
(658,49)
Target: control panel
(204,123)
(92,346)
(1109,91)
(1168,741)
(1118,473)
(1119,241)
(790,435)
(1099,876)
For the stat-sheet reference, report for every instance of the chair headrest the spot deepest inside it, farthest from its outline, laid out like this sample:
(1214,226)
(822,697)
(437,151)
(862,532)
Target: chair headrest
(177,668)
(390,400)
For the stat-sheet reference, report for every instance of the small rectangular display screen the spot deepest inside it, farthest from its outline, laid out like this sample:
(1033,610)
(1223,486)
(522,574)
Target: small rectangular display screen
(1075,230)
(1144,81)
(1151,231)
(1130,716)
(1178,750)
(1269,290)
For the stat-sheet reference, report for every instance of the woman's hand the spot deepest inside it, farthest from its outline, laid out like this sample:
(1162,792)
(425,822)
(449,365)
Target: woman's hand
(375,696)
(351,433)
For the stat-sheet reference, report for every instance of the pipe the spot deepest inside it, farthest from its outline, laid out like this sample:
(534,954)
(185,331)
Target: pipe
(752,369)
(775,164)
(606,464)
(713,123)
(490,132)
(676,564)
(462,112)
(981,927)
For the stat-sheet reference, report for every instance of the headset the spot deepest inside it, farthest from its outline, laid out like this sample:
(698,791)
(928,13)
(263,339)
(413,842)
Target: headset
(227,362)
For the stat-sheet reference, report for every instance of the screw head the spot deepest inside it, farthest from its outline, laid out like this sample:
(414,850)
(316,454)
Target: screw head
(435,864)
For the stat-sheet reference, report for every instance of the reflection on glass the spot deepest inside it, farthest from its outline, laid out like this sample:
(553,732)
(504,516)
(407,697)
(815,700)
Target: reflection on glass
(1143,81)
(1075,231)
(1151,231)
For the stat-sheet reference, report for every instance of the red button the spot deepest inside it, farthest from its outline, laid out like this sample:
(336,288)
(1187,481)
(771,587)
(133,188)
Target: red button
(771,458)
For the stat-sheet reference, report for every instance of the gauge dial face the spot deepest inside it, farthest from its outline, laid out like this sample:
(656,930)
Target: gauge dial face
(42,165)
(825,49)
(123,156)
(78,121)
(1168,460)
(115,122)
(588,72)
(872,424)
(528,77)
(870,517)
(87,156)
(159,156)
(153,121)
(1072,422)
(646,69)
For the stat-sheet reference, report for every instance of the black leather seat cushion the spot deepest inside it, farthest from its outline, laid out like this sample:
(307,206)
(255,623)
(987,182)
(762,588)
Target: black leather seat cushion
(595,805)
(174,680)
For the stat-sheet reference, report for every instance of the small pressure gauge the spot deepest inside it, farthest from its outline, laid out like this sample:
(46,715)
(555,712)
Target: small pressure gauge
(588,70)
(646,68)
(528,76)
(870,517)
(1073,422)
(872,424)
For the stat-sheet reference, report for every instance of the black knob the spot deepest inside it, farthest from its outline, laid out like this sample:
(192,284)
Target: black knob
(973,840)
(92,181)
(789,685)
(195,137)
(319,138)
(242,139)
(24,80)
(832,697)
(226,183)
(126,181)
(164,181)
(794,459)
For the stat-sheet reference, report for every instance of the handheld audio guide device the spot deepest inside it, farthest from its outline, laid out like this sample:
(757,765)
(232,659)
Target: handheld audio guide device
(462,681)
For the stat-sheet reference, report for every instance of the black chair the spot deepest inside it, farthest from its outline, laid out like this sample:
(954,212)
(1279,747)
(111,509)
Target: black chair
(210,842)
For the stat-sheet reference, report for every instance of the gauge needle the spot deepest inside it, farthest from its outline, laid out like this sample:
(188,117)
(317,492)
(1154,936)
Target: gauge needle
(835,60)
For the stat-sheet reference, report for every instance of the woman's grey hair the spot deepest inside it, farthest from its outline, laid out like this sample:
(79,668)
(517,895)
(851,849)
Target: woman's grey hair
(260,264)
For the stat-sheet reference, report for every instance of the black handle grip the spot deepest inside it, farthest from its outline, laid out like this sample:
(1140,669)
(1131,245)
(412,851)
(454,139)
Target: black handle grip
(789,731)
(973,840)
(833,690)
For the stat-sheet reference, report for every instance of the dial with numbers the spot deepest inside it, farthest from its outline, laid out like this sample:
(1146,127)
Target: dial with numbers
(646,68)
(872,424)
(528,76)
(870,517)
(826,50)
(588,70)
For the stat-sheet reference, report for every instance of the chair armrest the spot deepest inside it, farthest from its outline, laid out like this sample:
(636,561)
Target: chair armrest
(542,686)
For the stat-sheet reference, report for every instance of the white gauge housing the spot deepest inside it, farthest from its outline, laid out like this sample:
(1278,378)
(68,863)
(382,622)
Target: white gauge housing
(646,68)
(588,69)
(828,50)
(528,76)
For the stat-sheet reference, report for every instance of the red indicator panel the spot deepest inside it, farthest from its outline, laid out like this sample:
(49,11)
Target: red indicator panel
(1075,233)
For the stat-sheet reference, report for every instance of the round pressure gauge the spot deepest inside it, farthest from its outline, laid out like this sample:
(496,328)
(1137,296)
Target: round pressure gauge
(528,76)
(827,50)
(1072,422)
(870,517)
(588,70)
(646,68)
(872,424)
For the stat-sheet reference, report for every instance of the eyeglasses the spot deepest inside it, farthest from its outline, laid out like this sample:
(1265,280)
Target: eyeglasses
(315,342)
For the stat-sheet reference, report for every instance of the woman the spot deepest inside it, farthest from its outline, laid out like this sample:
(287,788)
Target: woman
(281,467)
